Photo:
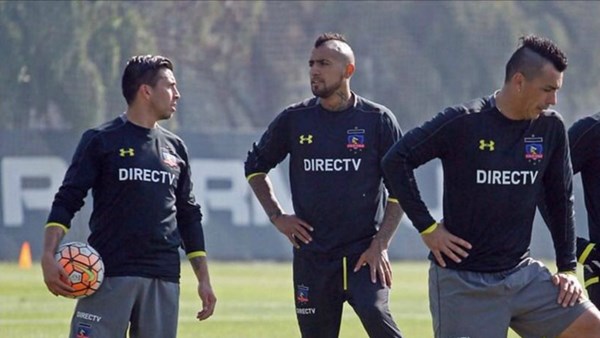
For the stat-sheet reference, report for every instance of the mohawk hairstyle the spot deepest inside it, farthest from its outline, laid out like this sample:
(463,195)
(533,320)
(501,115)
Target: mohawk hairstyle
(328,37)
(531,56)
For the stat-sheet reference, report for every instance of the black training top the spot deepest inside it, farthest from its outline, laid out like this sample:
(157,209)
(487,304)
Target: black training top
(494,172)
(143,201)
(335,172)
(584,138)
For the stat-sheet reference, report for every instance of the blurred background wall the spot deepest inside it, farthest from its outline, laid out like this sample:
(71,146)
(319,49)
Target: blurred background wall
(238,64)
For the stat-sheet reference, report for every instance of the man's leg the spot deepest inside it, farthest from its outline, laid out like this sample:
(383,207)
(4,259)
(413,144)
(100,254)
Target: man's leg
(156,310)
(106,312)
(534,307)
(318,296)
(585,326)
(468,304)
(370,302)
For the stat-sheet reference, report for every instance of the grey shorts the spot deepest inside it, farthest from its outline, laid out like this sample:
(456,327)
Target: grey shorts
(145,307)
(472,304)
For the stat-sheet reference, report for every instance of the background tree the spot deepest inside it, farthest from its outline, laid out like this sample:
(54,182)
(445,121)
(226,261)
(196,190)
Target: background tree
(60,58)
(239,63)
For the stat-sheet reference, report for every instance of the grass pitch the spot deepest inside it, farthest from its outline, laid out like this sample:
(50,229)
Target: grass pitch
(255,300)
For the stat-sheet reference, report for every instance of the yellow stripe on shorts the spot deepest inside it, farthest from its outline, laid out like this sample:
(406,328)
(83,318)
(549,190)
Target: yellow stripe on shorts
(345,269)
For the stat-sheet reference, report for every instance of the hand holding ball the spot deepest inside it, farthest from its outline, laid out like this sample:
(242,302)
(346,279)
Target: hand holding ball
(84,267)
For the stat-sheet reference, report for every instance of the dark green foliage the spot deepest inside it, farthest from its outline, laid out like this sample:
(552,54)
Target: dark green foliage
(238,63)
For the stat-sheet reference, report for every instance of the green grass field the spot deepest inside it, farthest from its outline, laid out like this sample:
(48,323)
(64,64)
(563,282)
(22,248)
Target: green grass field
(254,301)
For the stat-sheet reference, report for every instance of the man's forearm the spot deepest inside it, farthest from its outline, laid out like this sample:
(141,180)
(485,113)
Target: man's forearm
(263,189)
(391,218)
(200,267)
(52,237)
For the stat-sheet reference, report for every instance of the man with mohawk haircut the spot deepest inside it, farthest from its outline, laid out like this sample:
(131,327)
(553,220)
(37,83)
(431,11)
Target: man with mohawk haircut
(499,153)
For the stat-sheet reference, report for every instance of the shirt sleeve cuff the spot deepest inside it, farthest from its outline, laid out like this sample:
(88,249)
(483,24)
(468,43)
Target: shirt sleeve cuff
(249,177)
(195,254)
(54,224)
(430,229)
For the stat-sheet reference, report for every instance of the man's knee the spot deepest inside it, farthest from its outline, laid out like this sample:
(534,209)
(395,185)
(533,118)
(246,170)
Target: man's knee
(372,310)
(587,325)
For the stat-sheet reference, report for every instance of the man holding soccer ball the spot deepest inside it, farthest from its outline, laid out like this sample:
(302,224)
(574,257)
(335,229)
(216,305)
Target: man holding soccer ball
(499,154)
(143,211)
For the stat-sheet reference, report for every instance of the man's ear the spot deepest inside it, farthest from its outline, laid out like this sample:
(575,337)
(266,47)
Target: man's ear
(145,90)
(518,81)
(350,68)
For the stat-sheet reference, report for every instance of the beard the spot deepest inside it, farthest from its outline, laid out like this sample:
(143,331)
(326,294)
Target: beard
(167,115)
(324,91)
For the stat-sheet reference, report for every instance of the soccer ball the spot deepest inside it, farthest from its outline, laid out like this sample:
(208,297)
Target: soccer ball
(84,266)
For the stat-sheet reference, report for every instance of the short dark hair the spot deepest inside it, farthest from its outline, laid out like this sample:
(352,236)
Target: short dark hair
(321,39)
(142,69)
(532,55)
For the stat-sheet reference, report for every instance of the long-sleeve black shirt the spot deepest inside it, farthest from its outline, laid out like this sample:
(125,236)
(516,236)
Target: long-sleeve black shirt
(494,172)
(584,138)
(335,173)
(143,204)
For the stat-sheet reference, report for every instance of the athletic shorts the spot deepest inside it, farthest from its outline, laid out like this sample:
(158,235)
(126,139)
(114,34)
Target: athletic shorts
(470,304)
(147,307)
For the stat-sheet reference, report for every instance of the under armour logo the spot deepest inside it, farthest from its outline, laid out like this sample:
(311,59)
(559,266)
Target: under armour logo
(306,139)
(488,145)
(128,152)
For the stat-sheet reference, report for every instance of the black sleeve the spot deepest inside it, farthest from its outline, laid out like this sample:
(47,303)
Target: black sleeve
(270,150)
(579,145)
(558,204)
(189,216)
(79,178)
(417,147)
(389,135)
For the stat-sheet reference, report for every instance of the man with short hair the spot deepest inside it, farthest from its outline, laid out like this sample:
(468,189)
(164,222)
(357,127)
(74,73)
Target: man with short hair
(343,221)
(144,210)
(498,153)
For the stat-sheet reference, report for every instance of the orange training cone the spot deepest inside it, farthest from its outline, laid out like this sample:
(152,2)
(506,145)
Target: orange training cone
(25,256)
